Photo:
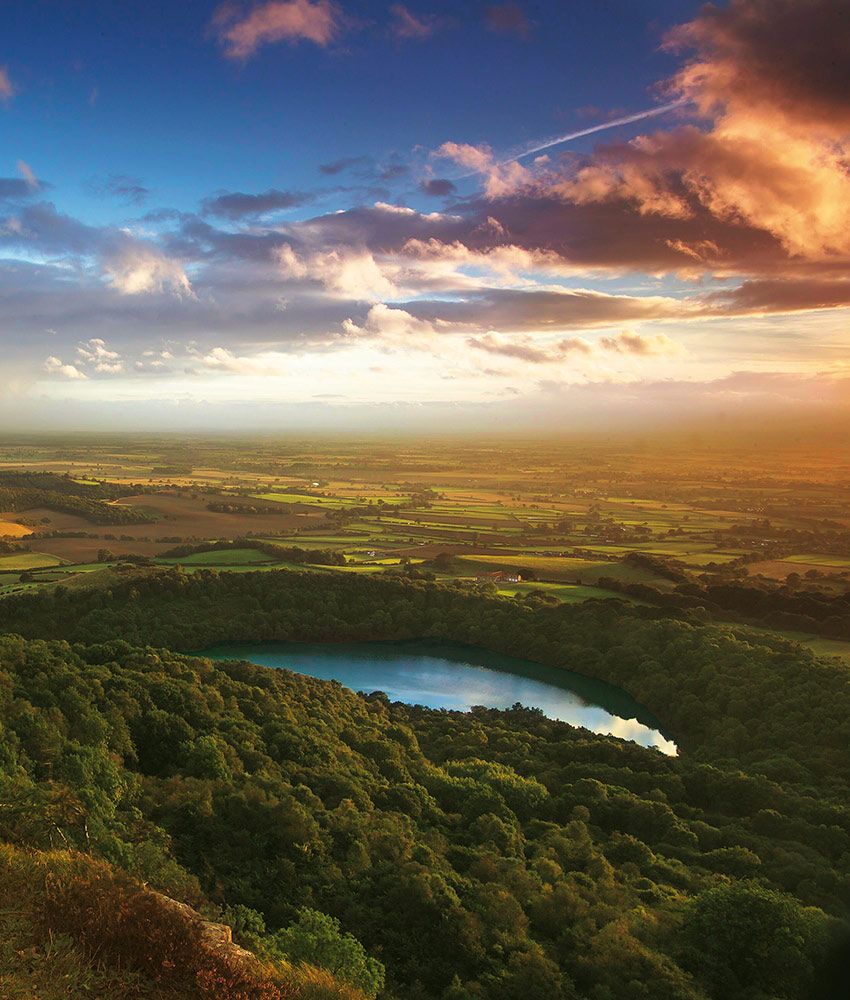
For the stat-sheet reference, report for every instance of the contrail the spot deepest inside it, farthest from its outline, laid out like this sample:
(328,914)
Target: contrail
(661,109)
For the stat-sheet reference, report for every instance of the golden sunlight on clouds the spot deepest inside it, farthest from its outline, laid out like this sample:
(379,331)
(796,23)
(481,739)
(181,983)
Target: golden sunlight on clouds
(711,247)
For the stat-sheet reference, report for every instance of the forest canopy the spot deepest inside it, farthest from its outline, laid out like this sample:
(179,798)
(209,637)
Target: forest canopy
(471,855)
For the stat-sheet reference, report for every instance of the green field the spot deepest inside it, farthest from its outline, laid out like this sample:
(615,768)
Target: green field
(28,560)
(819,645)
(566,593)
(222,557)
(561,568)
(328,501)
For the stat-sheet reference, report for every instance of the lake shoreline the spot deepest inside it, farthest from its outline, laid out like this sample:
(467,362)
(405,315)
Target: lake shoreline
(441,674)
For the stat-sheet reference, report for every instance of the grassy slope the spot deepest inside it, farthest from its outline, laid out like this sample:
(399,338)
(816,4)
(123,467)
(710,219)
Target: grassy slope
(50,953)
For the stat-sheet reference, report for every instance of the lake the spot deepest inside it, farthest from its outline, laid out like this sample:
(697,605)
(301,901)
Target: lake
(448,675)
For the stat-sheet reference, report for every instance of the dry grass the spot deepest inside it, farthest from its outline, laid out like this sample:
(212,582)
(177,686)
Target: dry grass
(71,926)
(11,529)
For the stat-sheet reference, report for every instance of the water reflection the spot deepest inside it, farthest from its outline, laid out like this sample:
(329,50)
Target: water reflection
(445,675)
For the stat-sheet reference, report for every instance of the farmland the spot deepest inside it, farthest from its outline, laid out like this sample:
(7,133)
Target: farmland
(580,520)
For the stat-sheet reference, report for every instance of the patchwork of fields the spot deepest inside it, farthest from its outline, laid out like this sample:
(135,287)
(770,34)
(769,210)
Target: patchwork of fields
(562,519)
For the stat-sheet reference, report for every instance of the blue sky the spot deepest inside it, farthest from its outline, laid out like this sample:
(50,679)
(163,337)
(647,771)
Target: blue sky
(306,210)
(142,89)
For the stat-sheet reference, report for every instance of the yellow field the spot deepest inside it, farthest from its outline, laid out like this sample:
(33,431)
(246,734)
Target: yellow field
(11,529)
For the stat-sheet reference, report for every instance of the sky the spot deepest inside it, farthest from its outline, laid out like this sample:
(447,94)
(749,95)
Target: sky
(359,215)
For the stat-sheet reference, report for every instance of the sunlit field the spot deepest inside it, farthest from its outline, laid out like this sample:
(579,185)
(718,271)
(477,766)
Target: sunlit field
(636,526)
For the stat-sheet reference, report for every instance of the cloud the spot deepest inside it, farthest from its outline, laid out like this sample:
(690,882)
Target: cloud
(499,263)
(641,344)
(7,89)
(781,295)
(28,174)
(770,79)
(317,21)
(437,187)
(94,352)
(41,228)
(794,188)
(507,19)
(338,166)
(476,158)
(392,171)
(15,187)
(407,25)
(610,235)
(54,366)
(393,327)
(787,59)
(130,190)
(135,269)
(352,272)
(500,178)
(264,364)
(238,205)
(524,349)
(132,266)
(546,311)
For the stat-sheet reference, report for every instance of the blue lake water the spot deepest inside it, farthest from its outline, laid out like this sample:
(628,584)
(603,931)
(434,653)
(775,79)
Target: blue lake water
(446,675)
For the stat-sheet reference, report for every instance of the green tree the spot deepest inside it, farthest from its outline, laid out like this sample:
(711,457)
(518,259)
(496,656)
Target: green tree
(317,939)
(745,940)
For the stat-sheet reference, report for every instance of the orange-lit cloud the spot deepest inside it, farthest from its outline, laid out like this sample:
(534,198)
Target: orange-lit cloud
(768,81)
(7,90)
(783,59)
(406,24)
(500,178)
(771,78)
(317,21)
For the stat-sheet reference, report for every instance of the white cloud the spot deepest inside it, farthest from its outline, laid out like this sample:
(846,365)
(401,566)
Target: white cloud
(393,327)
(54,366)
(96,349)
(350,272)
(268,363)
(135,269)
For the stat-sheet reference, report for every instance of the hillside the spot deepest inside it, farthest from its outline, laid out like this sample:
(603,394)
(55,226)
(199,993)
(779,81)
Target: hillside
(481,855)
(71,926)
